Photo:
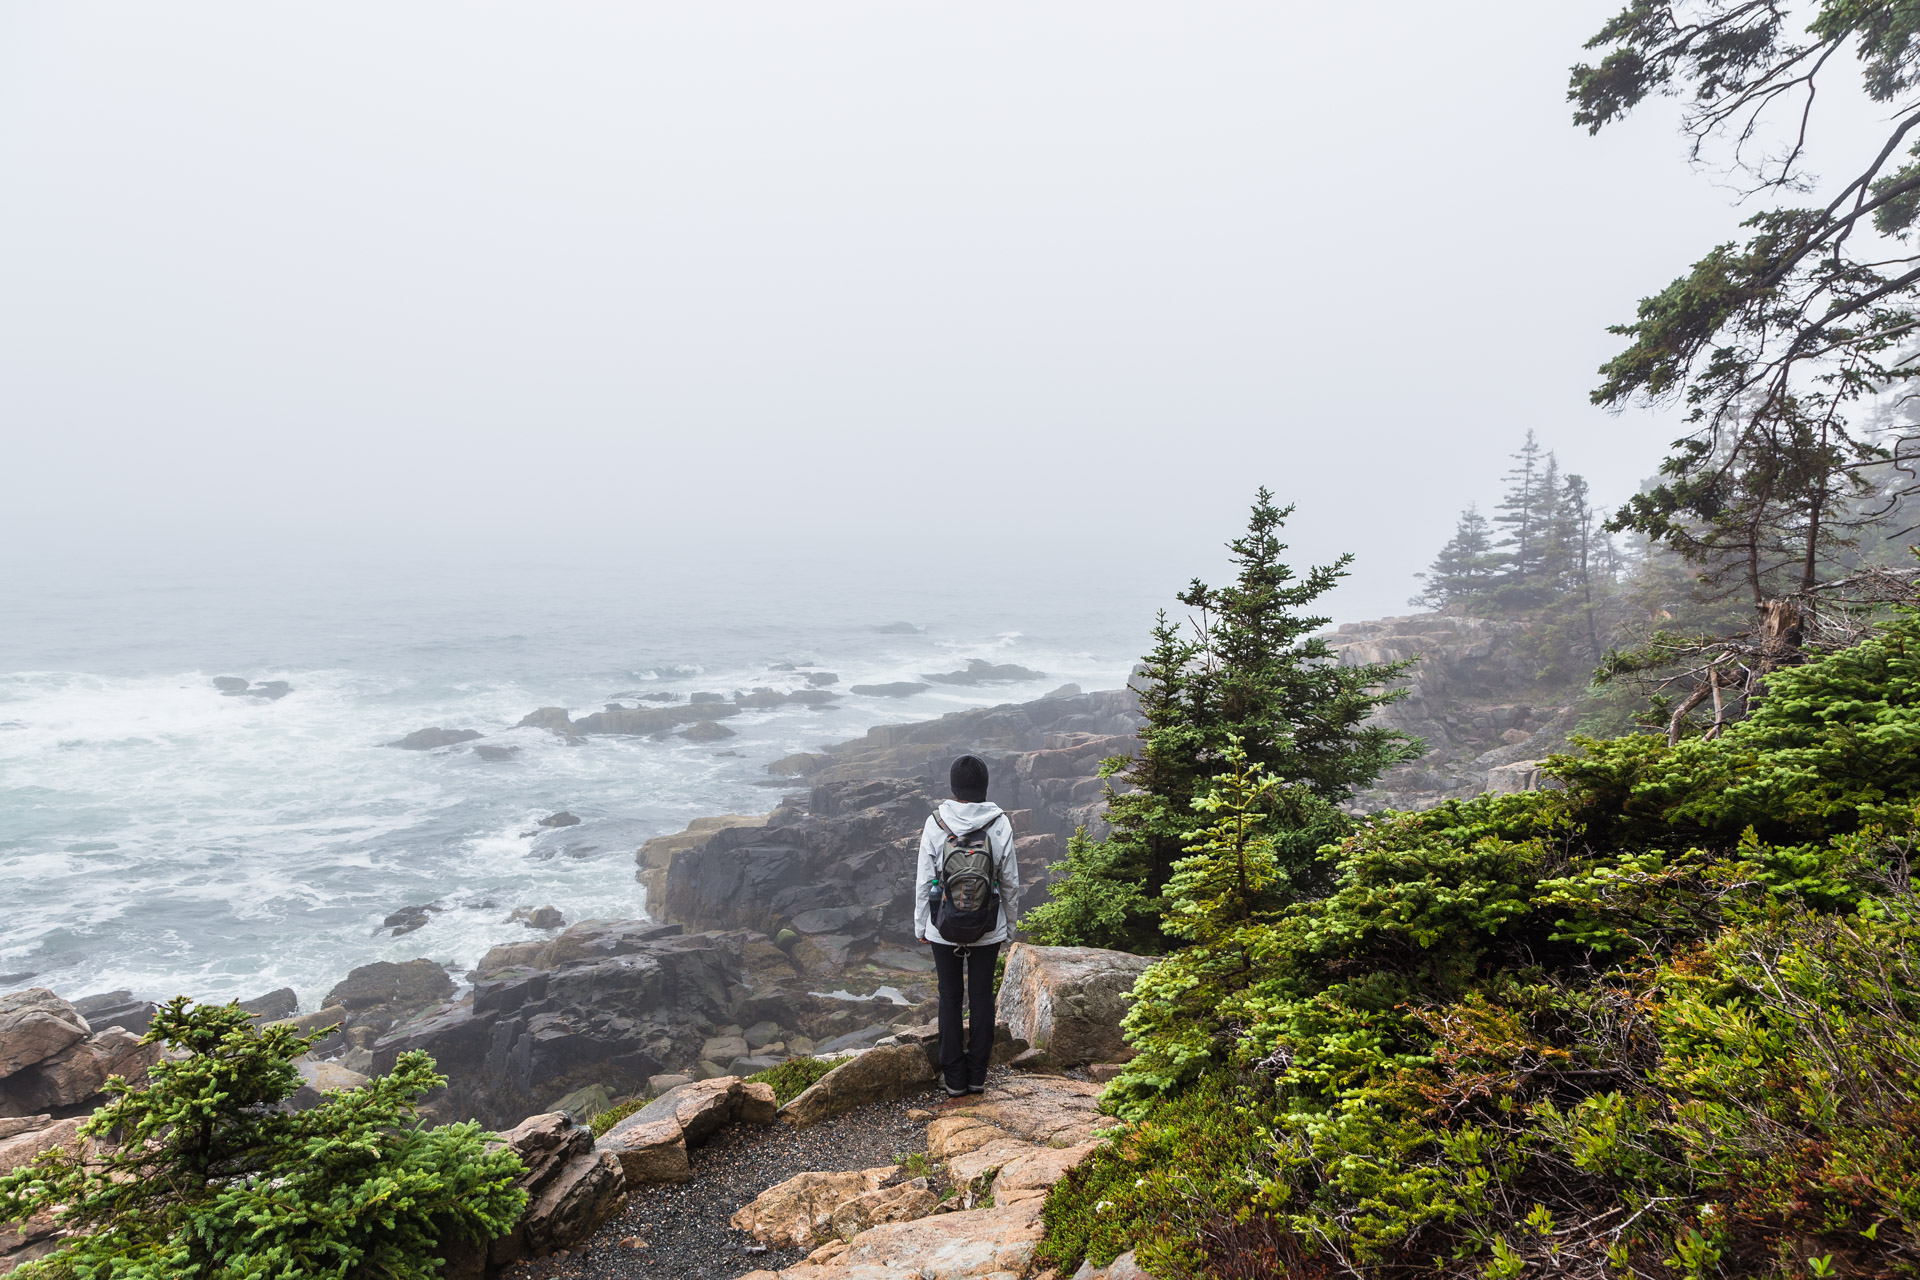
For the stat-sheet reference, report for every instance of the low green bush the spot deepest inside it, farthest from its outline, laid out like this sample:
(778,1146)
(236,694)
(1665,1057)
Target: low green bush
(614,1114)
(1664,1022)
(791,1078)
(199,1174)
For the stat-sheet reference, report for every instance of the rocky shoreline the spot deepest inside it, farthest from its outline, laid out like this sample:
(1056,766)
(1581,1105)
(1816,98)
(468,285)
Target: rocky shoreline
(770,936)
(774,934)
(789,932)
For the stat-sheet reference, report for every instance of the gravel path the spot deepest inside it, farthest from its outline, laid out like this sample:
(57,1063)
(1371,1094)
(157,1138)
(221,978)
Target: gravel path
(685,1227)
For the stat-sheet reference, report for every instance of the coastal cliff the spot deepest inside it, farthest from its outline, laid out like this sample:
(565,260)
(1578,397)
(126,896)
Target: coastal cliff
(1472,696)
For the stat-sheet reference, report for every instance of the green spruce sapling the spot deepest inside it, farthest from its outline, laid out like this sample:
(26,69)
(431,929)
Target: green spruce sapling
(200,1173)
(1248,667)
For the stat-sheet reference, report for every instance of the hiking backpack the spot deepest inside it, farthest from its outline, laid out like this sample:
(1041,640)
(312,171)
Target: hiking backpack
(968,904)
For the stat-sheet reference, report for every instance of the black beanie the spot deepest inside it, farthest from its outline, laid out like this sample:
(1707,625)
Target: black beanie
(968,778)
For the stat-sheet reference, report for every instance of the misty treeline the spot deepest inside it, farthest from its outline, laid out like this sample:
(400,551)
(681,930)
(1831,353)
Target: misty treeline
(1611,599)
(1544,541)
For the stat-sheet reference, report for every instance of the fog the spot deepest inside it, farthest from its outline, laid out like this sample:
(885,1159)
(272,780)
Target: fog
(857,289)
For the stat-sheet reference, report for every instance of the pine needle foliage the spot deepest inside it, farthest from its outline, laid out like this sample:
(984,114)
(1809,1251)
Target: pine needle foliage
(200,1175)
(1248,666)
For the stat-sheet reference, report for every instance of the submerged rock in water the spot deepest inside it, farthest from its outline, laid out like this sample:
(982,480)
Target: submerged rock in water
(554,718)
(487,751)
(706,731)
(898,629)
(651,720)
(403,921)
(560,819)
(429,739)
(538,917)
(980,671)
(897,689)
(235,687)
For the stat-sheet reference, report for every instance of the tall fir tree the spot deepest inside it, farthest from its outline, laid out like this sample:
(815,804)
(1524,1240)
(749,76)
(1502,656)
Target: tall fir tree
(1249,667)
(1548,577)
(1520,511)
(1466,567)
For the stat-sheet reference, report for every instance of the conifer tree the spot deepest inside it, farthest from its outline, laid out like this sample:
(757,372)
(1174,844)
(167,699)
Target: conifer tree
(199,1175)
(1520,511)
(1221,900)
(1249,668)
(1774,345)
(1549,533)
(1466,566)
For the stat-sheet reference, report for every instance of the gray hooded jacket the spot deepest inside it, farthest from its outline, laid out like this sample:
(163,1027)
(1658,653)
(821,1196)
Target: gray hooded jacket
(933,841)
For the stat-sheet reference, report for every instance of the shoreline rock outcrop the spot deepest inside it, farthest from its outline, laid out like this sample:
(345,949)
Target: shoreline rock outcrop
(1067,1002)
(53,1063)
(572,1188)
(834,866)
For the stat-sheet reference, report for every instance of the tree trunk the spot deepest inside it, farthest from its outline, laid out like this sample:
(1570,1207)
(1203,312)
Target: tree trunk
(1779,634)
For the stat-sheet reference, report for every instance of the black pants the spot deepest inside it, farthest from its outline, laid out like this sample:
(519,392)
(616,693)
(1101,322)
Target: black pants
(968,977)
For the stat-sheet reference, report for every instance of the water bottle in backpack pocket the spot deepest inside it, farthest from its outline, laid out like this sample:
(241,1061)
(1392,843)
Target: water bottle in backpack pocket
(969,902)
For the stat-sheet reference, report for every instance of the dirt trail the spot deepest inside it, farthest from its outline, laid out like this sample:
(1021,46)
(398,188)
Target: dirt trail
(686,1228)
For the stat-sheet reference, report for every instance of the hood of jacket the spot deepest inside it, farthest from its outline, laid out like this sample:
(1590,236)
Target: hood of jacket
(964,817)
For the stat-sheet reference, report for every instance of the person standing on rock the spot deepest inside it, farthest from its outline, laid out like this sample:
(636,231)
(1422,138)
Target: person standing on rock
(969,898)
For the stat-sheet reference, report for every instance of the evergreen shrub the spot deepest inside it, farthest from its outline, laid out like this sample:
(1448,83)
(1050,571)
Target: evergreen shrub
(1664,1022)
(200,1173)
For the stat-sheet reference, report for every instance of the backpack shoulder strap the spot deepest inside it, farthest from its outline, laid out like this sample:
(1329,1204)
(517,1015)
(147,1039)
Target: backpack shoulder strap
(970,830)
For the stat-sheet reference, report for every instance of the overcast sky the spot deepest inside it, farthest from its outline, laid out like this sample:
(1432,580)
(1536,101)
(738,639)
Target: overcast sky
(464,281)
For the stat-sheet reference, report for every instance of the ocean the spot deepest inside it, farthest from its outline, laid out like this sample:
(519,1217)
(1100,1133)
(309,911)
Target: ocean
(159,835)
